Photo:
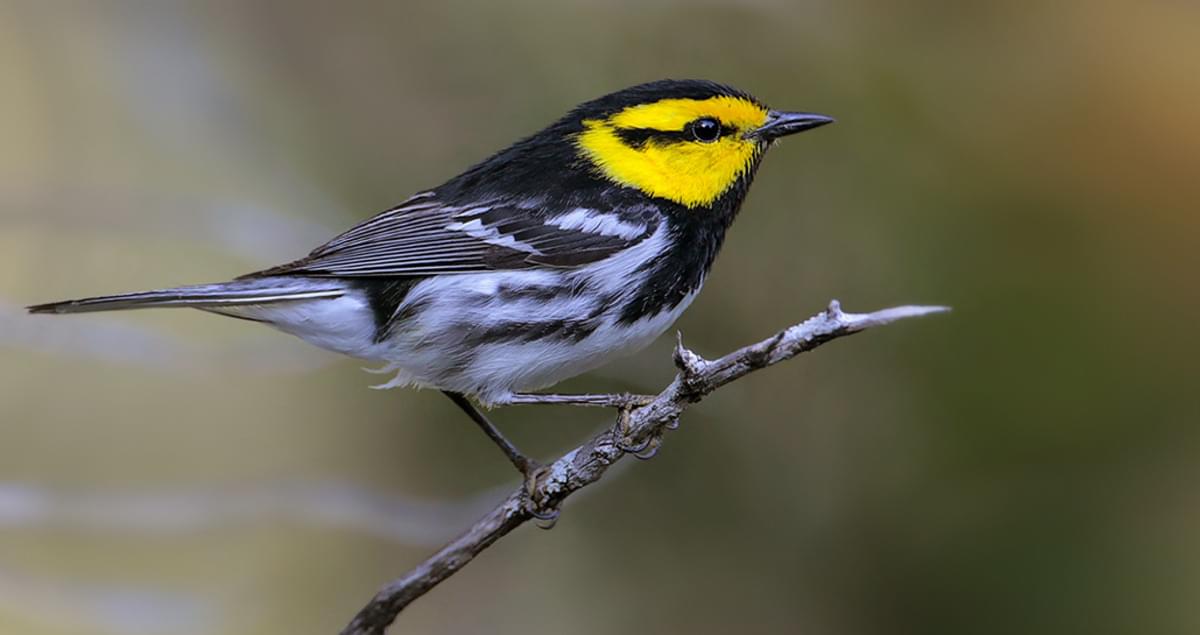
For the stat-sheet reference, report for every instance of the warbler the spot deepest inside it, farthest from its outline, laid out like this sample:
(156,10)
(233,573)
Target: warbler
(580,243)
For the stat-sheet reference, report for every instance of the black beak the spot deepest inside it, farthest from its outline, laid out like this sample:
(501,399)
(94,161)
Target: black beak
(781,124)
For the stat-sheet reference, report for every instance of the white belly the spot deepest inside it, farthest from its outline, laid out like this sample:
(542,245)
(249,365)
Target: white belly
(446,345)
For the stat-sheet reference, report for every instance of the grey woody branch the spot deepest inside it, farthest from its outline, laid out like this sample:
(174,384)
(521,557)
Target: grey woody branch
(641,429)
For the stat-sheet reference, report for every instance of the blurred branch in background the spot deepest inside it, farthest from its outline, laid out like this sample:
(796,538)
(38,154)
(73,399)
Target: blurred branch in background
(309,504)
(259,234)
(253,233)
(116,608)
(643,427)
(116,342)
(107,609)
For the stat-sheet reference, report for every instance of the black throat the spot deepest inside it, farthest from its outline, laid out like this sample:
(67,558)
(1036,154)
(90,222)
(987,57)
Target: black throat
(696,238)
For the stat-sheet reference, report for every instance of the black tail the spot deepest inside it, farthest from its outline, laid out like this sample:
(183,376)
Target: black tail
(203,296)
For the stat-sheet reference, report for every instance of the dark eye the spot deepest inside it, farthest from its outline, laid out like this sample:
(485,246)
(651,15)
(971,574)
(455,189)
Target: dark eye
(706,130)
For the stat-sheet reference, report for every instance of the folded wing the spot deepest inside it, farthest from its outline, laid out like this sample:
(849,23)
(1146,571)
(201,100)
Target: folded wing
(424,237)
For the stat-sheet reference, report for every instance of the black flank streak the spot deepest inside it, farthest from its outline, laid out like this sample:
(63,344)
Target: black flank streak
(510,293)
(384,297)
(407,312)
(574,329)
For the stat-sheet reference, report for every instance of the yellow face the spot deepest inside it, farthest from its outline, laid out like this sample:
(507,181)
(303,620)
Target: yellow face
(686,150)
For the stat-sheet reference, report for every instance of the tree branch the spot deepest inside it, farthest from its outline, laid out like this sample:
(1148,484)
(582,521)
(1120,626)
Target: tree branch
(643,427)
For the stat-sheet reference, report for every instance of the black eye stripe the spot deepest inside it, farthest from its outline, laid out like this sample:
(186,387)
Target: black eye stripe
(639,137)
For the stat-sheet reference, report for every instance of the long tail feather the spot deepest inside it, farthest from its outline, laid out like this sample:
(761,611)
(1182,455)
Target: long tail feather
(203,296)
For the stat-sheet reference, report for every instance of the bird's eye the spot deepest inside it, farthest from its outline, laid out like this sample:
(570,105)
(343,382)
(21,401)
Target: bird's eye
(706,130)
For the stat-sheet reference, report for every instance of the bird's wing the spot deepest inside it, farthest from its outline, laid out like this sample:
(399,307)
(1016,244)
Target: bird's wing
(423,236)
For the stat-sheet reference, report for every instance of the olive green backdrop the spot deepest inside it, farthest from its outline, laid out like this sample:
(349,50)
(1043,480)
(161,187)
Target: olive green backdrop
(1026,464)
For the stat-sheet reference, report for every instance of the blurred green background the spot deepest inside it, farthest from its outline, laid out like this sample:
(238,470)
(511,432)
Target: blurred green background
(1027,464)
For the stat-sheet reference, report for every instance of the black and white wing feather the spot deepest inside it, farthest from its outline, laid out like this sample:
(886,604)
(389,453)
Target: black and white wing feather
(425,237)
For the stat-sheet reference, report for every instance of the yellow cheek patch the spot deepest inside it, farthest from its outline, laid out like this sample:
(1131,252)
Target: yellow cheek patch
(688,172)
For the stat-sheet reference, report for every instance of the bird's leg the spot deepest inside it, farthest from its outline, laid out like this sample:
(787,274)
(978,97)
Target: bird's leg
(625,403)
(528,467)
(523,463)
(621,400)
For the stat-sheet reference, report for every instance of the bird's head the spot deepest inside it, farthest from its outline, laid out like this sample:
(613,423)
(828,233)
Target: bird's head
(687,141)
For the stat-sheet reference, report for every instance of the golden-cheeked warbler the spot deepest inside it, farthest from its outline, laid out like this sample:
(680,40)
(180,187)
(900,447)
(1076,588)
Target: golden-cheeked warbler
(580,243)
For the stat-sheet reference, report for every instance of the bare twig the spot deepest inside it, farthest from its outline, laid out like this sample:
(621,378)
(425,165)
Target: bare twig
(643,428)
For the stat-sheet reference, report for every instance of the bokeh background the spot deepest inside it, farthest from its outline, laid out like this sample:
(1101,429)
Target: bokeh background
(1026,464)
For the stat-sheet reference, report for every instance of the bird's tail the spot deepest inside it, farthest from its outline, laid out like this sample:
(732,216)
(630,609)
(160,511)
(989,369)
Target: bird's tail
(253,291)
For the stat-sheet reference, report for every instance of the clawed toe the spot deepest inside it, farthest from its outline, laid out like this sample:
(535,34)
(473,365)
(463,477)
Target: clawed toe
(650,448)
(546,515)
(644,450)
(627,448)
(546,518)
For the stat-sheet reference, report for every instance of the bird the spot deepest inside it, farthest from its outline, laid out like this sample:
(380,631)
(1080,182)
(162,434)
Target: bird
(576,245)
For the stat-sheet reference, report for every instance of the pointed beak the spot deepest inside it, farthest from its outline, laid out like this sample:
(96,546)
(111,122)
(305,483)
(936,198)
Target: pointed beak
(780,124)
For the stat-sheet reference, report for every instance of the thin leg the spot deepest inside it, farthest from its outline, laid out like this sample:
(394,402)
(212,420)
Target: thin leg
(522,462)
(624,403)
(624,400)
(529,468)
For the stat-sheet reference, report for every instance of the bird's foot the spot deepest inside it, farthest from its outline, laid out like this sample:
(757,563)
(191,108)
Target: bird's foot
(534,502)
(644,450)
